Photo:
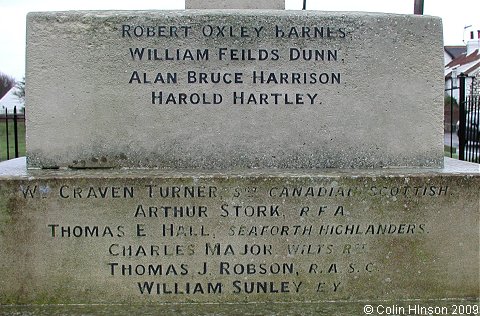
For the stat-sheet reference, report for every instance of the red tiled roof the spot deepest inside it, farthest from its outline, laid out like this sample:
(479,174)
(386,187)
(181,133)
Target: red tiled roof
(462,60)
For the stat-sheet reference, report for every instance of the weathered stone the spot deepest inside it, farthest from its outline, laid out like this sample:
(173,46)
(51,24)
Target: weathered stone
(235,4)
(369,95)
(104,237)
(259,308)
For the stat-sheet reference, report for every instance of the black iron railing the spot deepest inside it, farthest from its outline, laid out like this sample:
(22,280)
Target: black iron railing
(469,129)
(12,134)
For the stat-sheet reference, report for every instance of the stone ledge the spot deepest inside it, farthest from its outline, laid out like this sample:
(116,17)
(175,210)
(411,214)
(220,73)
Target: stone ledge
(16,168)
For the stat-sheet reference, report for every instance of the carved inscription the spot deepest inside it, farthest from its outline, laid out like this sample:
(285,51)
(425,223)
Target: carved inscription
(162,48)
(307,239)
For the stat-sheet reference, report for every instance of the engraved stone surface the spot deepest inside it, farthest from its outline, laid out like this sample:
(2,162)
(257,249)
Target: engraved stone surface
(280,236)
(235,4)
(213,89)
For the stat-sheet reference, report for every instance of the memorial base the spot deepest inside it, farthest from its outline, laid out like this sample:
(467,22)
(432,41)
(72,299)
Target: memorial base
(147,237)
(412,307)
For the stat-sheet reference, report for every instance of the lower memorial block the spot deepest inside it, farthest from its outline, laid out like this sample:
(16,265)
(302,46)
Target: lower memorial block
(281,236)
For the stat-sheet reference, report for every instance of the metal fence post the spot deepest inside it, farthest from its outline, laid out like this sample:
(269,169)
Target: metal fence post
(6,134)
(462,118)
(15,130)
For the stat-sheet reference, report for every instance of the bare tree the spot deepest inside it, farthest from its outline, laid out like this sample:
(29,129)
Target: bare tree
(6,83)
(20,92)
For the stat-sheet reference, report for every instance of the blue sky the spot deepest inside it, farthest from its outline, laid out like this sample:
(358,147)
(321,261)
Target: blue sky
(455,14)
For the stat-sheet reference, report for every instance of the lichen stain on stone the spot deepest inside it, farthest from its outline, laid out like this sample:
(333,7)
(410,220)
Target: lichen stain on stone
(93,163)
(11,205)
(5,215)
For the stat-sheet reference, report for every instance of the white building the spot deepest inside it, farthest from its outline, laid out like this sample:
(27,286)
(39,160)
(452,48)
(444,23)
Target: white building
(467,63)
(9,101)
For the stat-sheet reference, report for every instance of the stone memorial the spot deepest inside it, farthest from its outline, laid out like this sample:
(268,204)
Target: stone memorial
(233,156)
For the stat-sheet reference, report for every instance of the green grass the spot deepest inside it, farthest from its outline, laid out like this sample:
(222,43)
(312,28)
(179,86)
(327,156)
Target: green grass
(447,154)
(455,156)
(11,139)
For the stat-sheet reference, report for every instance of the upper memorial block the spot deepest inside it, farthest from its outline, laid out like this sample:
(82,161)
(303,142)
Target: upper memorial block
(214,89)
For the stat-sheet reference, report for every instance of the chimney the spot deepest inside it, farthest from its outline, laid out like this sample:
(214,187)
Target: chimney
(474,42)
